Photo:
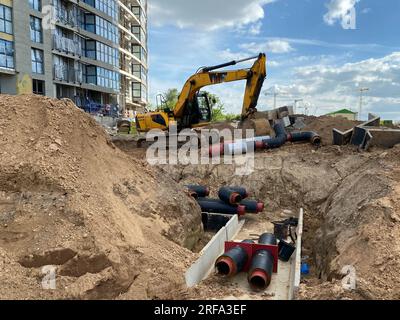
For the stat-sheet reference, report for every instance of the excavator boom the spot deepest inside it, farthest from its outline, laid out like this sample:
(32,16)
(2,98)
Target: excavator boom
(255,77)
(193,108)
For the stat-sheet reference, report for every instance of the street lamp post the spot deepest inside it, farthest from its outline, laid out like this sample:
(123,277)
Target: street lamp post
(362,90)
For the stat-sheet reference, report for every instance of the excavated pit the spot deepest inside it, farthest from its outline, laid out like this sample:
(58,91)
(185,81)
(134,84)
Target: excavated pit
(351,212)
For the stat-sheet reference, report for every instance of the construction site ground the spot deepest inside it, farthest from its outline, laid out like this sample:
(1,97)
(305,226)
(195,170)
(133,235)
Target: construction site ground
(117,228)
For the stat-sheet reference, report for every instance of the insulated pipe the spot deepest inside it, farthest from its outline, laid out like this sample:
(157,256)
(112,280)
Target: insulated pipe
(229,196)
(237,147)
(201,191)
(241,190)
(219,206)
(252,206)
(262,264)
(278,141)
(233,261)
(312,137)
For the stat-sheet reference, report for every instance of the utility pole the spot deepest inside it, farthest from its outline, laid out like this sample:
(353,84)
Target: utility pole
(362,90)
(295,104)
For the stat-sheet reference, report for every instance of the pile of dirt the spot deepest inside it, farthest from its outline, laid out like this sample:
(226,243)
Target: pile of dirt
(111,225)
(325,124)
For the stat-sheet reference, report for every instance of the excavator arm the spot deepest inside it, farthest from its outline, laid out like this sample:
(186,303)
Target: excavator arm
(255,77)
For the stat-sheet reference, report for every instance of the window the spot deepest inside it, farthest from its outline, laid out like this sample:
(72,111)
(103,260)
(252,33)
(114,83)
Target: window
(36,29)
(37,61)
(102,77)
(91,74)
(38,87)
(6,54)
(5,19)
(109,7)
(90,50)
(35,5)
(101,27)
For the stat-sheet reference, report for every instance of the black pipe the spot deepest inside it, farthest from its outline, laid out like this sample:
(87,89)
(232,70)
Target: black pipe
(214,222)
(233,261)
(229,196)
(219,206)
(252,206)
(241,190)
(312,137)
(268,239)
(280,138)
(262,264)
(201,191)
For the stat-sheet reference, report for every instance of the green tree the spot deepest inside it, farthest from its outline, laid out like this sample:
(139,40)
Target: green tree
(171,98)
(218,110)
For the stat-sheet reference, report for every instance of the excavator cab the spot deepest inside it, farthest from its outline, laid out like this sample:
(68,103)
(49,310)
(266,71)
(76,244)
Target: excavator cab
(197,112)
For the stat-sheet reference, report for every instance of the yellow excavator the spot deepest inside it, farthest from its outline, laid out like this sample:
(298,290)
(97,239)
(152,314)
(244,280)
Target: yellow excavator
(193,108)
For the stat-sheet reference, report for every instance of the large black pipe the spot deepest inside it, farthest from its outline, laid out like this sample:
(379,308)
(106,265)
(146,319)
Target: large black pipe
(201,191)
(229,196)
(252,206)
(280,138)
(262,264)
(219,206)
(233,261)
(312,137)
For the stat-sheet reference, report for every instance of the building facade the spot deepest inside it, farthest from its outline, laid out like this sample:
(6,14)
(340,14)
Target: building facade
(91,51)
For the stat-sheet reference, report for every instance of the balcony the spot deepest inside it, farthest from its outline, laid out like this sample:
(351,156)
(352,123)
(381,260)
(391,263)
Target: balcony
(66,16)
(67,45)
(67,74)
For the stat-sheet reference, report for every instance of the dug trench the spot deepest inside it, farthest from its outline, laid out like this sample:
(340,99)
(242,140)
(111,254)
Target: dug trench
(352,216)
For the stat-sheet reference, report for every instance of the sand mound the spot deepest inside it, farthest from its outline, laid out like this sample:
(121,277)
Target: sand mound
(69,198)
(325,124)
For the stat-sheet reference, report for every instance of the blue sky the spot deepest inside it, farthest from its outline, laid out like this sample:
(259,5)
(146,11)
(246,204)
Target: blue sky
(312,54)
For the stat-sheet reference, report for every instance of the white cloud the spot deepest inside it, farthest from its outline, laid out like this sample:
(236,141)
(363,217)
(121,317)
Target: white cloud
(207,14)
(255,29)
(272,46)
(338,10)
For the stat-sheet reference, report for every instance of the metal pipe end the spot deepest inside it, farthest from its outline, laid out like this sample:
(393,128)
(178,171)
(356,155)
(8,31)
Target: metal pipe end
(225,266)
(316,140)
(241,210)
(260,207)
(259,280)
(235,198)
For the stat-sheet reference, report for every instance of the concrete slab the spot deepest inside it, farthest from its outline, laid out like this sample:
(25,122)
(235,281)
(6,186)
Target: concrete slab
(341,138)
(205,263)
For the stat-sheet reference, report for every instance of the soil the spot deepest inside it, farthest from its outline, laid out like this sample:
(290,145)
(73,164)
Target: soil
(113,226)
(325,124)
(117,228)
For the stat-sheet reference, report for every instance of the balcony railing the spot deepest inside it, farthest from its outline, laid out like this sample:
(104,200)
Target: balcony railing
(67,45)
(67,74)
(66,16)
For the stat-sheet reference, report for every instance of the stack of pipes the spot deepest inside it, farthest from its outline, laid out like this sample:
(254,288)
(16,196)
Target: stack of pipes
(232,200)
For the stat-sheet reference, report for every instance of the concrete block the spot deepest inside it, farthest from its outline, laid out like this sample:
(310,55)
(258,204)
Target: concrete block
(205,264)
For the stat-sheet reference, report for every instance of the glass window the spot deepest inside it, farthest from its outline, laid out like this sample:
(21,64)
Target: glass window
(6,54)
(5,19)
(35,4)
(36,29)
(37,61)
(38,87)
